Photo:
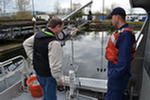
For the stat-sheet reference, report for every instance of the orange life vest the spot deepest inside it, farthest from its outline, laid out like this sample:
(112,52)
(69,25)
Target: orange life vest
(111,50)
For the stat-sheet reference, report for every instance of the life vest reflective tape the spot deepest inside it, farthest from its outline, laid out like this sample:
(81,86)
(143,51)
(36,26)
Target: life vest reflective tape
(111,50)
(48,33)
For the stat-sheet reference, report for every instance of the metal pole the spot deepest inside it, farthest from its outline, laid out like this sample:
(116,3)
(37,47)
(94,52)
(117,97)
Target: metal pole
(76,11)
(34,27)
(4,75)
(33,8)
(34,22)
(72,51)
(70,6)
(103,7)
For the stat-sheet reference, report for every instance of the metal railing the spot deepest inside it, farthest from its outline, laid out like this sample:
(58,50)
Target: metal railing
(7,70)
(20,30)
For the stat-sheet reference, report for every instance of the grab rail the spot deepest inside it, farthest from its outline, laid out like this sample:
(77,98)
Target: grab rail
(6,75)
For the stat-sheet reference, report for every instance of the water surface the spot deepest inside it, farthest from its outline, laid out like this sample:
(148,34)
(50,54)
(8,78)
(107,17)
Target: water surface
(89,54)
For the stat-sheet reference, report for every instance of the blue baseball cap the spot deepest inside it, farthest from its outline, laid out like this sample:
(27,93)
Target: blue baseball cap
(117,11)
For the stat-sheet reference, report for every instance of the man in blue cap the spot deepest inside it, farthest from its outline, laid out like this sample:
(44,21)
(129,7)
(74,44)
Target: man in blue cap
(119,53)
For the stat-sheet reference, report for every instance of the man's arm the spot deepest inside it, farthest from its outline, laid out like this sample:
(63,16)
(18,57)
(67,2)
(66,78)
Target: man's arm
(55,60)
(28,46)
(124,55)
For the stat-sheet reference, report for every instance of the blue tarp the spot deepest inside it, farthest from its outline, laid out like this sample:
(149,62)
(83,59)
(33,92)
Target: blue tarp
(101,17)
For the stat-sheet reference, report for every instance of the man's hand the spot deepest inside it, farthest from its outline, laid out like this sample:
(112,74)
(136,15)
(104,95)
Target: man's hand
(60,83)
(60,87)
(31,62)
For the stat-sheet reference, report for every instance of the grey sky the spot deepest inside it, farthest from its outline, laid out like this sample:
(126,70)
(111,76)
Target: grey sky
(48,5)
(97,5)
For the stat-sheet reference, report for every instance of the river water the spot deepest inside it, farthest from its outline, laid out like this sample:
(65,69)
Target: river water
(87,50)
(88,53)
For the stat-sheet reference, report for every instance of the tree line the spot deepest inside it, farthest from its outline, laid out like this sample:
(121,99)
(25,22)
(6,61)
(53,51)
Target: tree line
(22,8)
(24,11)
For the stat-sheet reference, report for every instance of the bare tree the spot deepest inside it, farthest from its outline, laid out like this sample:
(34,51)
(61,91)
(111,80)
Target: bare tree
(131,10)
(113,6)
(4,4)
(23,9)
(76,6)
(57,7)
(109,10)
(22,5)
(64,11)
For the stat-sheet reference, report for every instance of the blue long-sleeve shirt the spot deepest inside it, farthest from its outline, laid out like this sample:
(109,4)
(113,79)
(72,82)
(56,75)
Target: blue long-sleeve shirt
(124,45)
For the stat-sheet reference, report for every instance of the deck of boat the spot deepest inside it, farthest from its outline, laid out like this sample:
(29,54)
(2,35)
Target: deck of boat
(97,85)
(60,96)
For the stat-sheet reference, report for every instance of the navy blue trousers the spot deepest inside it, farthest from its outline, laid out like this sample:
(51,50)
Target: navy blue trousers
(114,95)
(116,88)
(49,86)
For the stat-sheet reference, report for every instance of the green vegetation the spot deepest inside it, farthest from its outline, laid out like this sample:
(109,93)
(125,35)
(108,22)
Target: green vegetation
(22,15)
(132,22)
(129,22)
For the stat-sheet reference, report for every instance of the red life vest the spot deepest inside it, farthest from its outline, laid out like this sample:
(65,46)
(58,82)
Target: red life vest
(111,50)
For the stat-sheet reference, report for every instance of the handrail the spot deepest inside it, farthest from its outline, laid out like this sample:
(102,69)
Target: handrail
(8,61)
(9,74)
